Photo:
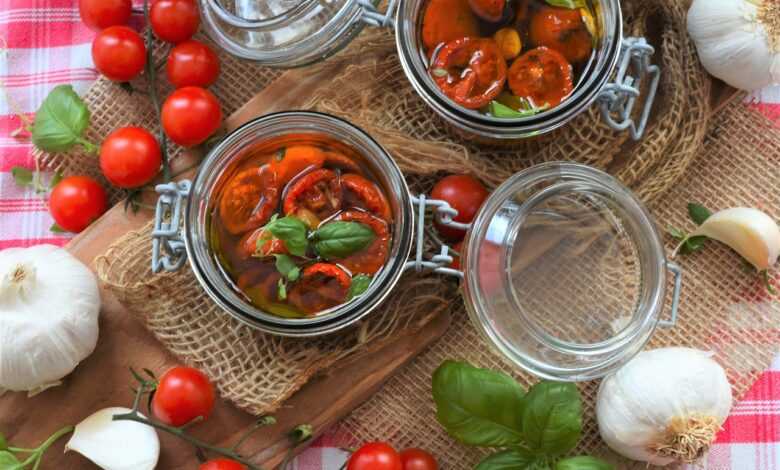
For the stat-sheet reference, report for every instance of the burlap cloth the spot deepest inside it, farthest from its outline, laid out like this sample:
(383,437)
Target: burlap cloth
(727,160)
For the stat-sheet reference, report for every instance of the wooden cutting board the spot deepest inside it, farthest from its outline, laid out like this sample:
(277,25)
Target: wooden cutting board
(103,379)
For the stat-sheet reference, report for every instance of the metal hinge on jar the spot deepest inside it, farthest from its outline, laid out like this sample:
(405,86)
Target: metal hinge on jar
(444,214)
(168,250)
(372,16)
(617,99)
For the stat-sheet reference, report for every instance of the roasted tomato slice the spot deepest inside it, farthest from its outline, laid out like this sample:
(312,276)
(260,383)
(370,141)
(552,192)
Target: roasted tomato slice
(262,282)
(290,161)
(488,10)
(338,160)
(249,199)
(446,20)
(563,30)
(247,246)
(321,286)
(470,71)
(370,259)
(314,196)
(362,193)
(541,75)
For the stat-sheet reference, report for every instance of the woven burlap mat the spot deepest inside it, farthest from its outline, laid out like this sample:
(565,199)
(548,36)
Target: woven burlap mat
(683,157)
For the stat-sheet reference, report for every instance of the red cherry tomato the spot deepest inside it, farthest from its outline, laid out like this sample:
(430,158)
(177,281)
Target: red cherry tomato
(290,161)
(488,10)
(190,115)
(314,196)
(182,395)
(447,20)
(370,259)
(100,14)
(249,199)
(76,202)
(192,63)
(221,464)
(321,286)
(418,459)
(563,30)
(119,53)
(174,20)
(465,194)
(543,76)
(130,157)
(362,193)
(375,456)
(471,71)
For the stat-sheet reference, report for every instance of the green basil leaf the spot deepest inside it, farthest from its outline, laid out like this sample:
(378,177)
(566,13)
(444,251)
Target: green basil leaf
(3,442)
(340,239)
(552,417)
(22,176)
(693,244)
(677,233)
(583,462)
(8,461)
(500,110)
(292,231)
(570,4)
(698,213)
(281,289)
(478,407)
(60,121)
(359,285)
(510,459)
(56,228)
(287,267)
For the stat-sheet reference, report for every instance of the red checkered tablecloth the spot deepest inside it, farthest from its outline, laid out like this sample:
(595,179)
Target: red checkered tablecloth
(43,43)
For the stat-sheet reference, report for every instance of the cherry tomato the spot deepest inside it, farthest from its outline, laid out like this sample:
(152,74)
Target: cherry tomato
(563,30)
(543,76)
(192,63)
(183,394)
(290,161)
(247,246)
(375,456)
(119,53)
(100,14)
(249,200)
(314,196)
(456,258)
(470,71)
(362,193)
(488,10)
(465,194)
(221,464)
(130,157)
(418,459)
(190,115)
(370,259)
(321,286)
(447,20)
(174,20)
(76,202)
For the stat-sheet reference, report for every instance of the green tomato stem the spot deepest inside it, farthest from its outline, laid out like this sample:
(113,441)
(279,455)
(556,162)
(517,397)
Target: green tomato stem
(151,75)
(88,146)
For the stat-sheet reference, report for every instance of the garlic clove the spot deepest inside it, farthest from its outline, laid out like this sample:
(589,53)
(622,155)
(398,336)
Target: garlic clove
(749,232)
(115,445)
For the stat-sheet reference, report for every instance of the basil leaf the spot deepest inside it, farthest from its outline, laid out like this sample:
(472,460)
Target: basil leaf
(510,459)
(570,4)
(478,407)
(698,213)
(552,417)
(693,244)
(292,231)
(281,289)
(56,228)
(3,442)
(499,110)
(340,239)
(60,121)
(287,267)
(359,285)
(8,461)
(22,176)
(583,462)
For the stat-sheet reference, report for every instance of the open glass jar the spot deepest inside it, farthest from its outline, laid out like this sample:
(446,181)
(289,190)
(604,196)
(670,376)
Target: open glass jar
(565,273)
(291,33)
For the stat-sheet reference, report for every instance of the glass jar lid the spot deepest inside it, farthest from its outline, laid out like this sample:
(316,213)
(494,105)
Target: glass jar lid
(565,272)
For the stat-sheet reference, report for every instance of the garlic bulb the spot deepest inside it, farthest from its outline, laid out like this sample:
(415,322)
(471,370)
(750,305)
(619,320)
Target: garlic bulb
(664,406)
(738,40)
(49,304)
(749,232)
(116,445)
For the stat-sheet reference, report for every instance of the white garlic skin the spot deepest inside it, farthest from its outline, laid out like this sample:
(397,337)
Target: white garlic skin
(636,404)
(49,306)
(732,43)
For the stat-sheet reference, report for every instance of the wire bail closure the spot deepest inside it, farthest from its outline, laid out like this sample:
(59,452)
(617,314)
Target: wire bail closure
(373,17)
(168,249)
(444,214)
(617,99)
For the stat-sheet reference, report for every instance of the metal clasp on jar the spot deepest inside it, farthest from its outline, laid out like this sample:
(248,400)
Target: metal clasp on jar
(445,215)
(617,99)
(168,249)
(372,16)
